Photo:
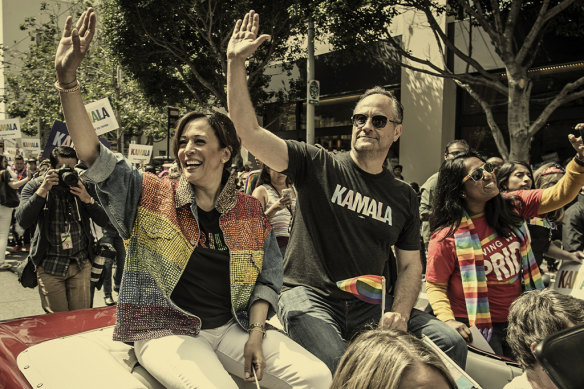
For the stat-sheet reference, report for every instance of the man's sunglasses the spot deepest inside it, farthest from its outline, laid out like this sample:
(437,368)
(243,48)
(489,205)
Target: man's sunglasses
(476,174)
(378,121)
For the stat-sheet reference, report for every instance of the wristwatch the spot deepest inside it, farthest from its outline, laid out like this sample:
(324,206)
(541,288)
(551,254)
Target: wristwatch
(92,201)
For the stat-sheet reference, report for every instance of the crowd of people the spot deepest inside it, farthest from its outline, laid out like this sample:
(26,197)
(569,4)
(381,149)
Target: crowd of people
(202,263)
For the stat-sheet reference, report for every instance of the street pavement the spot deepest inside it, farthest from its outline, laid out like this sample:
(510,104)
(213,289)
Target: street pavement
(17,301)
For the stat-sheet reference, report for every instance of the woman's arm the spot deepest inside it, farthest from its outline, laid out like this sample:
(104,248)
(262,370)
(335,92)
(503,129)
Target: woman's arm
(555,252)
(568,186)
(72,48)
(261,194)
(438,298)
(252,351)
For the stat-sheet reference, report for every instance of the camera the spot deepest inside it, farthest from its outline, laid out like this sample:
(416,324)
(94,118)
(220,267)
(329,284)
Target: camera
(68,177)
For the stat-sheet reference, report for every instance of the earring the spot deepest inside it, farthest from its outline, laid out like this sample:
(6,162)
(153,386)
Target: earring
(463,195)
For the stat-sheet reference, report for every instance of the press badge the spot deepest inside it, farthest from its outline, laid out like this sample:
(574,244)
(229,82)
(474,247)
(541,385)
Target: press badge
(66,241)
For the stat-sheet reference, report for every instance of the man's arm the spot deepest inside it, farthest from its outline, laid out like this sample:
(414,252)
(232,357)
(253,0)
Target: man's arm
(266,146)
(407,288)
(31,205)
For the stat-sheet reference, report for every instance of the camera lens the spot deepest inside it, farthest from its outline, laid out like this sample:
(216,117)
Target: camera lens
(70,178)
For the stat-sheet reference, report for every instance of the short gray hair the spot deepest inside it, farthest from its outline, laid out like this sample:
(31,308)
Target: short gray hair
(398,109)
(536,315)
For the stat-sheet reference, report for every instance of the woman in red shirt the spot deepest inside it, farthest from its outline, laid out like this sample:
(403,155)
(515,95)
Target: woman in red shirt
(480,257)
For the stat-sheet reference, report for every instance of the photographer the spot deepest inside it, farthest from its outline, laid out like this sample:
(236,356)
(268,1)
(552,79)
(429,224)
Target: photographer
(62,246)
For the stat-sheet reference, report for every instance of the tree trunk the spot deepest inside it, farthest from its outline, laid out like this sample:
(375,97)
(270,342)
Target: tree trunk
(518,120)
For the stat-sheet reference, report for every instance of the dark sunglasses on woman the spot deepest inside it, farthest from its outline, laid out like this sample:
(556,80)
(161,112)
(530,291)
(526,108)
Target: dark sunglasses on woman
(476,174)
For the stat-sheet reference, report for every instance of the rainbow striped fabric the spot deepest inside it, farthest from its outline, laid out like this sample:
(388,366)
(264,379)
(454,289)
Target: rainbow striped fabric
(472,270)
(368,288)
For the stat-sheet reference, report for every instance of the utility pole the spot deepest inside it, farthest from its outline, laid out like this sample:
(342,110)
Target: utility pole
(309,86)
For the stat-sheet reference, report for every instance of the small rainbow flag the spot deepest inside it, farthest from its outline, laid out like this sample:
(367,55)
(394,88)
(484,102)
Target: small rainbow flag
(369,288)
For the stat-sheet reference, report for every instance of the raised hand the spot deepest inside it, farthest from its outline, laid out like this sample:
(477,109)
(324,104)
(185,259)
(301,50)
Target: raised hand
(73,46)
(578,142)
(244,40)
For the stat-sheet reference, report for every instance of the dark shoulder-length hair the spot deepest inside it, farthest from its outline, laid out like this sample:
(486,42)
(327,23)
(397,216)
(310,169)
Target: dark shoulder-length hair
(506,170)
(265,176)
(448,205)
(222,127)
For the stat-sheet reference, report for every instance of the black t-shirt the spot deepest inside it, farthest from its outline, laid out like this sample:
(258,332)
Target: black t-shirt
(346,220)
(540,241)
(204,288)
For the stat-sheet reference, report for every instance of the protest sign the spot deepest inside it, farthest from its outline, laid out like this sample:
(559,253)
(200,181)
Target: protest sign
(570,279)
(31,146)
(102,116)
(10,153)
(59,136)
(10,129)
(139,153)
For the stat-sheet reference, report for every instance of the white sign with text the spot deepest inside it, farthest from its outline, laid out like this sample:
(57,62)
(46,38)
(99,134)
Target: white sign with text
(570,279)
(102,116)
(10,129)
(139,153)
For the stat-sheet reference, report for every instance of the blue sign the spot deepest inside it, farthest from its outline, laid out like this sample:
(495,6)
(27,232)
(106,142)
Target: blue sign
(60,137)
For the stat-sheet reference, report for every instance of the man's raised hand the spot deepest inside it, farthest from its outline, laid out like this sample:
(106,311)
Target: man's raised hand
(73,46)
(244,40)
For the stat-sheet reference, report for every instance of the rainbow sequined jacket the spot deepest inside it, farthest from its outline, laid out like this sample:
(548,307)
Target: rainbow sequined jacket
(159,218)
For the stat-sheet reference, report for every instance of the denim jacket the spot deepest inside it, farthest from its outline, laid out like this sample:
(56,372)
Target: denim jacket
(159,218)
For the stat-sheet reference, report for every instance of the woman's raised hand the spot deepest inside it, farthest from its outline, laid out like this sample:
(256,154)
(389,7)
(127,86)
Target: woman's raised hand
(245,41)
(73,46)
(578,142)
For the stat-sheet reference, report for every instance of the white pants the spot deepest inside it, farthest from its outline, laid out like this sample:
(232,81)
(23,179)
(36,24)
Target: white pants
(182,361)
(5,219)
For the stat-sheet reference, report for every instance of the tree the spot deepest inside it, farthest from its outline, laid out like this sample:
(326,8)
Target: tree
(515,28)
(31,96)
(176,50)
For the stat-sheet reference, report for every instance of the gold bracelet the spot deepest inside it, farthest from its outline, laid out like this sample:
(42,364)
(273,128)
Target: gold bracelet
(258,326)
(70,90)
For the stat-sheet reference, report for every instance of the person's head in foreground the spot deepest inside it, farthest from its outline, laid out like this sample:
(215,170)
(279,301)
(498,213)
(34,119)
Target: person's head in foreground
(534,316)
(380,359)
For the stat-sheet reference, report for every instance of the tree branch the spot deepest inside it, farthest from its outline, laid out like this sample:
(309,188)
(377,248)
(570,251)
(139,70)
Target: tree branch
(563,97)
(495,129)
(543,17)
(184,58)
(445,73)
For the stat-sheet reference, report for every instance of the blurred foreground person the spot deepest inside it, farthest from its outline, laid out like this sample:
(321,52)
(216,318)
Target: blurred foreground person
(203,270)
(534,316)
(390,359)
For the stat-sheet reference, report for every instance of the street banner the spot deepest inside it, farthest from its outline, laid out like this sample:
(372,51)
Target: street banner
(102,116)
(10,153)
(31,146)
(139,153)
(10,129)
(59,136)
(570,279)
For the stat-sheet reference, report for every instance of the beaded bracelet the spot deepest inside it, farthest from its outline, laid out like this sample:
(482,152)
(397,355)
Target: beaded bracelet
(258,326)
(70,90)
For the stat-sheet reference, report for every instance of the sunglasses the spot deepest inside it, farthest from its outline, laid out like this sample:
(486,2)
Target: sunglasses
(378,121)
(476,174)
